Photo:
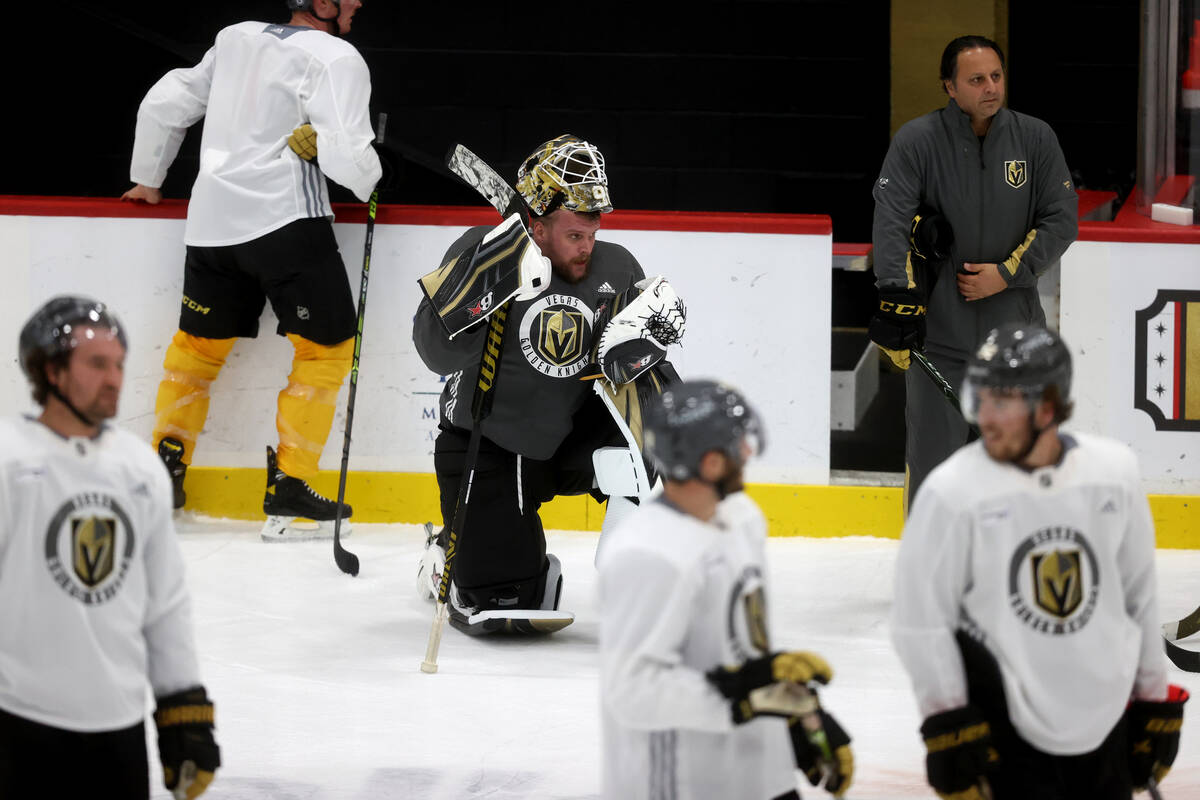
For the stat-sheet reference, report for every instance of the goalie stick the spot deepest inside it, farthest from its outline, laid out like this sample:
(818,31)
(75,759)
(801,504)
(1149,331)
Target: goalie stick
(1183,628)
(477,174)
(1186,660)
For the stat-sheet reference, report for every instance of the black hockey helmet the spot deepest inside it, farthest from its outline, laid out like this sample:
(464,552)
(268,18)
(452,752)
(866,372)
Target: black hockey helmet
(692,418)
(1020,357)
(51,334)
(307,5)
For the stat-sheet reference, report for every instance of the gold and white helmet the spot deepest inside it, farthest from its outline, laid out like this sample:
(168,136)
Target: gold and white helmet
(565,172)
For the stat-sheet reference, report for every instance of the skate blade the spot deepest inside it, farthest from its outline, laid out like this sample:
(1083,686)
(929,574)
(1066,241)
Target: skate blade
(528,622)
(299,529)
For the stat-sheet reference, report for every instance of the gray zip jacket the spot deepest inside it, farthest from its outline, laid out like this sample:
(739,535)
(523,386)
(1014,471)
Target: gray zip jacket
(1008,198)
(547,347)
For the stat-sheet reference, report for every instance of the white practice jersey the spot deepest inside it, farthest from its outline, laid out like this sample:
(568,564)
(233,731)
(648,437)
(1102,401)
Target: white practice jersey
(93,604)
(256,85)
(1052,571)
(679,597)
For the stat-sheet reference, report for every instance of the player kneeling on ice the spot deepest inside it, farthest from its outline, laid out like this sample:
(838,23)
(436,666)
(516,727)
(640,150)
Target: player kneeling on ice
(93,603)
(1025,597)
(517,317)
(695,701)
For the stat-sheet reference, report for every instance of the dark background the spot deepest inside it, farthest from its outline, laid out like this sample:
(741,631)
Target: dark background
(752,106)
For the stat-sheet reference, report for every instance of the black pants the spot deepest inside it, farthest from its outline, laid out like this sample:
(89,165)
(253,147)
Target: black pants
(502,545)
(42,761)
(933,428)
(1026,773)
(297,267)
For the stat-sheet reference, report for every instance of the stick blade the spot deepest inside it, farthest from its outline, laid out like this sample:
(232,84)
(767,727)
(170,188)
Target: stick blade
(346,561)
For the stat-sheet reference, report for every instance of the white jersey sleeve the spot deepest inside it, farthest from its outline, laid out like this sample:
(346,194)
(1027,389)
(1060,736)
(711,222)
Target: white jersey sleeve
(643,680)
(338,111)
(170,645)
(931,574)
(176,102)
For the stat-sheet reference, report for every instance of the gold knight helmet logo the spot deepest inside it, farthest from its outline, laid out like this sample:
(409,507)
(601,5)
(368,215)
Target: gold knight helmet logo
(1015,173)
(562,335)
(1057,585)
(93,540)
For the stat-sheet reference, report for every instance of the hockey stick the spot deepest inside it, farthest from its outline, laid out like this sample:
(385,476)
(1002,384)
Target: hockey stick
(476,173)
(1186,660)
(346,561)
(947,390)
(1174,631)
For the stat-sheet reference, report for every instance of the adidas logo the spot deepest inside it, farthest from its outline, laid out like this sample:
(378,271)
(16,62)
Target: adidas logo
(605,288)
(1109,507)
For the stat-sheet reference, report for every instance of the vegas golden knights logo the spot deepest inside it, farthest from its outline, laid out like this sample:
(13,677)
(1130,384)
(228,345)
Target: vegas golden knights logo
(1166,360)
(93,540)
(561,341)
(1057,584)
(1015,173)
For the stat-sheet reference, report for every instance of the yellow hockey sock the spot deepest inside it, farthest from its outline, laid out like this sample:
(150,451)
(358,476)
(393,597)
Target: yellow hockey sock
(307,405)
(189,368)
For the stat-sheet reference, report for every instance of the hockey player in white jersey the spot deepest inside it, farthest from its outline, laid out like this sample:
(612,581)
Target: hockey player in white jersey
(1025,604)
(284,107)
(695,702)
(93,603)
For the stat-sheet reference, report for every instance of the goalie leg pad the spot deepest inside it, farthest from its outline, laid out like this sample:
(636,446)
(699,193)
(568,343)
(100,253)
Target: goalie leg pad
(620,472)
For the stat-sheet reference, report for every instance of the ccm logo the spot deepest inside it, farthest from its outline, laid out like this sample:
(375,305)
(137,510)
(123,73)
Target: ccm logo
(902,309)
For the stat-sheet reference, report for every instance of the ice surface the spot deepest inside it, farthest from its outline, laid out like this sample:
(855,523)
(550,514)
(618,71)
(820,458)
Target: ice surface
(319,695)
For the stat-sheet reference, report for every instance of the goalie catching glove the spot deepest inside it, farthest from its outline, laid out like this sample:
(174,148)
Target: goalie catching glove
(636,338)
(186,747)
(959,753)
(1154,736)
(505,265)
(772,684)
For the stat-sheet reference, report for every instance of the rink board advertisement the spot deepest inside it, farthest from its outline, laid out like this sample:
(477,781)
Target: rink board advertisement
(757,290)
(1131,315)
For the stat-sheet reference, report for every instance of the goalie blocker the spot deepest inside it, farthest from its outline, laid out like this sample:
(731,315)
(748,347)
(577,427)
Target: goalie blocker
(469,286)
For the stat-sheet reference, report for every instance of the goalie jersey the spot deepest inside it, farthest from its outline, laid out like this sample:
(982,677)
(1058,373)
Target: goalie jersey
(93,604)
(255,85)
(547,347)
(679,597)
(1052,572)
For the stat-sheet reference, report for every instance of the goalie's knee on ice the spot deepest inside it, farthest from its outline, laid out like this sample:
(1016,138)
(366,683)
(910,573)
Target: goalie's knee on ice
(541,591)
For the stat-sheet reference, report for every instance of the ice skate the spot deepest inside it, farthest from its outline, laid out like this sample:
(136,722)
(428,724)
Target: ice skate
(433,561)
(171,452)
(288,499)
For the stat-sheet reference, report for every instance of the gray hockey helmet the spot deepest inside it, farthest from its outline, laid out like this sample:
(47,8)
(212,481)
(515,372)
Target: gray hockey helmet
(692,418)
(1018,357)
(56,328)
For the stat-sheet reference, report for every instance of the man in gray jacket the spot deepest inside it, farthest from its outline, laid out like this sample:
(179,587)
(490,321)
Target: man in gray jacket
(973,203)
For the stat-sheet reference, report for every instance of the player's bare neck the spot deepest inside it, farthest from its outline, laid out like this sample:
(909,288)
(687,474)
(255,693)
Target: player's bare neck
(1046,451)
(307,20)
(58,418)
(694,498)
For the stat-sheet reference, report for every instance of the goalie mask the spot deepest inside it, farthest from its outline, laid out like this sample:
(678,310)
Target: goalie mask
(1020,359)
(565,172)
(692,418)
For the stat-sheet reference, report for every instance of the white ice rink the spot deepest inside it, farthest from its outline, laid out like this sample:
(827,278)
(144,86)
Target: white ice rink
(319,696)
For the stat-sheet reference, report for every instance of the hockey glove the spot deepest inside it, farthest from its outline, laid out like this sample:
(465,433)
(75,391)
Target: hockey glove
(1154,736)
(303,142)
(823,751)
(533,268)
(636,338)
(767,685)
(958,754)
(186,747)
(898,324)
